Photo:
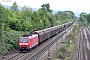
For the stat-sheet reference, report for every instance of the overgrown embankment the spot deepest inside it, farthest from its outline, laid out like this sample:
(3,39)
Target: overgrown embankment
(9,41)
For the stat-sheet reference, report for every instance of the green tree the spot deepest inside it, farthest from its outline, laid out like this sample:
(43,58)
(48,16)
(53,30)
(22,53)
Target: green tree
(3,16)
(51,19)
(88,18)
(72,14)
(46,7)
(83,19)
(58,19)
(14,7)
(26,13)
(66,16)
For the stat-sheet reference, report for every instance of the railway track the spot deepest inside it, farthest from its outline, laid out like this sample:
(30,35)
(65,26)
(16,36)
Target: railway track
(81,52)
(88,44)
(16,57)
(84,44)
(82,38)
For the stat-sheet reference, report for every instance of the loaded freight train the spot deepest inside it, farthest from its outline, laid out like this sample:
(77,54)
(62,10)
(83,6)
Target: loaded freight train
(28,41)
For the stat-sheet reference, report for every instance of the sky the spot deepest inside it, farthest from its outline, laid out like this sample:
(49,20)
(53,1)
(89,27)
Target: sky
(60,5)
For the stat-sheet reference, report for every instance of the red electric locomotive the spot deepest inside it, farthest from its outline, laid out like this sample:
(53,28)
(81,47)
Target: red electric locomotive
(26,42)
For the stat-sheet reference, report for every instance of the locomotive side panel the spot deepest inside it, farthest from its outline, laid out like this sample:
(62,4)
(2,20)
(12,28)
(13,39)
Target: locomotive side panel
(34,40)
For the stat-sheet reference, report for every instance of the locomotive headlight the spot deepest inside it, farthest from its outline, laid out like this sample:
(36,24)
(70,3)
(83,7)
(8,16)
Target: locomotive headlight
(26,43)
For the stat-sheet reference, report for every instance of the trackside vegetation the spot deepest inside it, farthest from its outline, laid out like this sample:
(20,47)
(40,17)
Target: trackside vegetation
(66,51)
(15,22)
(84,19)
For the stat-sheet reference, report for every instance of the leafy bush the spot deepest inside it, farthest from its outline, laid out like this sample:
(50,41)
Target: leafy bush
(63,49)
(10,39)
(9,47)
(60,55)
(75,27)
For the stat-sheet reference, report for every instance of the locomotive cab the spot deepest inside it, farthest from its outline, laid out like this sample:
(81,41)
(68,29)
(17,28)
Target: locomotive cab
(24,43)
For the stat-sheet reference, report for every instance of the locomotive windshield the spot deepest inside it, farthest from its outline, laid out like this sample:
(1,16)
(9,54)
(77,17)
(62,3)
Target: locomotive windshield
(23,39)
